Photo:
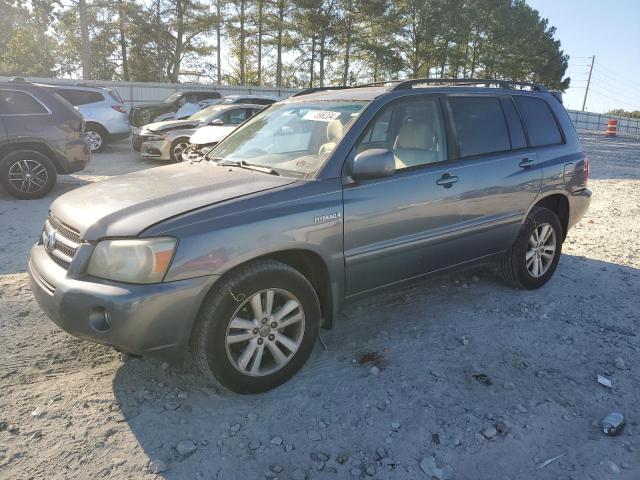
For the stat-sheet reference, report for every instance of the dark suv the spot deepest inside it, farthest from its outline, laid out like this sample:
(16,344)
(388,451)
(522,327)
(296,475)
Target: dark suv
(317,200)
(144,114)
(41,135)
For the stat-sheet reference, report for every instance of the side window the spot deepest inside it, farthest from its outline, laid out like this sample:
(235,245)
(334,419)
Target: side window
(13,102)
(79,97)
(539,120)
(413,131)
(480,125)
(235,116)
(518,139)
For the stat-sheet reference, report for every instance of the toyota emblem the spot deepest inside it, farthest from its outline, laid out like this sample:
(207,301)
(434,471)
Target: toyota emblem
(50,240)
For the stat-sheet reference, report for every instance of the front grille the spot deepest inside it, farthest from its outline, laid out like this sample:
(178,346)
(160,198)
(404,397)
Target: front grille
(65,243)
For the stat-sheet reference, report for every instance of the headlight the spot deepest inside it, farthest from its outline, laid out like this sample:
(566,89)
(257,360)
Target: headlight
(154,138)
(132,261)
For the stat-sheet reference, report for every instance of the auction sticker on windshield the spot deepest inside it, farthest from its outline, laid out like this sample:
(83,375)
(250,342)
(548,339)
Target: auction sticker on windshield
(321,115)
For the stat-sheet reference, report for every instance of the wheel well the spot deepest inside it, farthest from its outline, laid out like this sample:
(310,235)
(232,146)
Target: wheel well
(38,147)
(97,126)
(559,204)
(313,267)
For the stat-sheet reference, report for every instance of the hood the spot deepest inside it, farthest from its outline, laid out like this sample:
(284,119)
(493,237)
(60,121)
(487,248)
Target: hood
(210,134)
(171,125)
(126,205)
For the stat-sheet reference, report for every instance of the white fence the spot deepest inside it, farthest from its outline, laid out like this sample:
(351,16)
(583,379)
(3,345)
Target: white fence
(134,93)
(598,122)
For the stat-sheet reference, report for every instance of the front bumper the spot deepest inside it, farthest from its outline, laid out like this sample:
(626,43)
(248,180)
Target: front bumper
(154,320)
(578,205)
(159,149)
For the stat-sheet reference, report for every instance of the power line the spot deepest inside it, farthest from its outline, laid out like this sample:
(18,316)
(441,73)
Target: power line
(636,107)
(617,75)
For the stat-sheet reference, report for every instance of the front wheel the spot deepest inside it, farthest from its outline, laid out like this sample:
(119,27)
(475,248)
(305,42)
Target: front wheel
(257,328)
(178,147)
(534,256)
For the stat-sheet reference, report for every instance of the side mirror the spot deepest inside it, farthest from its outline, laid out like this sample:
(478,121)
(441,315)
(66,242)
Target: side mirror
(217,121)
(373,163)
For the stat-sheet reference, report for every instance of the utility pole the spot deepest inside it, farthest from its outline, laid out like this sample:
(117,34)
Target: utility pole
(586,92)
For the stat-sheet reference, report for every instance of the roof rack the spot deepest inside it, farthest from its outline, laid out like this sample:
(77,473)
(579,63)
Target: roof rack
(394,85)
(507,84)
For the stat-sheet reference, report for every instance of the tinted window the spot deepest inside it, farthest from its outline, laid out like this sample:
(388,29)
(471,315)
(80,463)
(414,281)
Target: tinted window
(259,101)
(13,102)
(480,125)
(412,131)
(518,139)
(540,121)
(79,97)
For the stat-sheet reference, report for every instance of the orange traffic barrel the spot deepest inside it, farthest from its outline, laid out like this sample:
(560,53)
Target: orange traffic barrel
(612,128)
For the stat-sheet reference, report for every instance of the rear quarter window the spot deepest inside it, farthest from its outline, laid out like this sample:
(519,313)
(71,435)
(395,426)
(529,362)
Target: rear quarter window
(14,102)
(79,97)
(480,125)
(540,121)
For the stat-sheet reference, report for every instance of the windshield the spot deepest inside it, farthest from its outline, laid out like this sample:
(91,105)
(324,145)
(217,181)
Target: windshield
(296,137)
(172,98)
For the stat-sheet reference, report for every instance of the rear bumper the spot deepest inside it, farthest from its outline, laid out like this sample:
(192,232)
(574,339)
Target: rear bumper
(73,156)
(114,137)
(154,320)
(579,203)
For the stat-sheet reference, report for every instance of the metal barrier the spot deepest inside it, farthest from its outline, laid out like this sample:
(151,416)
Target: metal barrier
(600,122)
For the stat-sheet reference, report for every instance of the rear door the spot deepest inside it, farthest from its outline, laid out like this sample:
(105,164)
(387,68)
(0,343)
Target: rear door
(24,115)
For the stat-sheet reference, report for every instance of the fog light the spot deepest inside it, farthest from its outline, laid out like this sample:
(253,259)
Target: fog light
(99,320)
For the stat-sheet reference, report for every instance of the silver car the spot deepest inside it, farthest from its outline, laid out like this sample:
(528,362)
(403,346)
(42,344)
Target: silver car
(103,111)
(167,140)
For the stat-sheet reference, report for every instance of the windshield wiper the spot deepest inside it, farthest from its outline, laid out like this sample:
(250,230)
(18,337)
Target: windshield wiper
(244,164)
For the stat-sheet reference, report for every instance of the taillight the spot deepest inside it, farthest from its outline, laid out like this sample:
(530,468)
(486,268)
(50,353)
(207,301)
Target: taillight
(119,108)
(586,169)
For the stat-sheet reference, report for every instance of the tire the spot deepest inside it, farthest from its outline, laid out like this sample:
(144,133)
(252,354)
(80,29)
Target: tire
(221,361)
(178,144)
(97,137)
(15,167)
(518,265)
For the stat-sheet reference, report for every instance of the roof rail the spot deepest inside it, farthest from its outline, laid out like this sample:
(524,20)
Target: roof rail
(507,84)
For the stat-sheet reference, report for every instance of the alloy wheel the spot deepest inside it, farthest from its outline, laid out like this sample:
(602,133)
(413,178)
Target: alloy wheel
(265,332)
(541,250)
(28,176)
(94,139)
(178,150)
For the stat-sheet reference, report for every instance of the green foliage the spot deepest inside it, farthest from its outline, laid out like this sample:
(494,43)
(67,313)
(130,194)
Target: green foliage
(285,42)
(619,112)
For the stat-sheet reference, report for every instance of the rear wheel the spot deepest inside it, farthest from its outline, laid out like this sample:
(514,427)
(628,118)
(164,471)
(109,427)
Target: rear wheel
(178,147)
(27,174)
(534,256)
(257,327)
(97,137)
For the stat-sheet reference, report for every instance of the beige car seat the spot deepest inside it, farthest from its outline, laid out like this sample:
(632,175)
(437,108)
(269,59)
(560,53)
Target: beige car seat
(334,134)
(415,145)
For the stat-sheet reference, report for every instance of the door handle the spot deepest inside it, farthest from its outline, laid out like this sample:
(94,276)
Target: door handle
(527,162)
(447,180)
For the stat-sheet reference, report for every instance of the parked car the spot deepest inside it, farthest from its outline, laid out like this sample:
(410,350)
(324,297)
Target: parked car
(144,114)
(203,140)
(324,198)
(167,140)
(106,119)
(189,109)
(41,136)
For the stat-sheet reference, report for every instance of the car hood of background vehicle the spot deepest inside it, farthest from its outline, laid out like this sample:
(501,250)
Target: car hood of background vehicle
(210,134)
(171,125)
(126,205)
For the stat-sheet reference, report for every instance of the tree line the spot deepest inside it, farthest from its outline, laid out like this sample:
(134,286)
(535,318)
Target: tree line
(282,43)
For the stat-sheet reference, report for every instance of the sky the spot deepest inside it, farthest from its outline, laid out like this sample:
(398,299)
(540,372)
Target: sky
(610,30)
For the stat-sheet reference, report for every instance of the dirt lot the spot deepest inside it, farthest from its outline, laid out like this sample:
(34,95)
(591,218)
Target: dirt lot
(456,356)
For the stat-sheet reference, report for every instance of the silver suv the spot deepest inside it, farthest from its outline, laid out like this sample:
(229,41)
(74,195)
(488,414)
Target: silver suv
(318,200)
(106,119)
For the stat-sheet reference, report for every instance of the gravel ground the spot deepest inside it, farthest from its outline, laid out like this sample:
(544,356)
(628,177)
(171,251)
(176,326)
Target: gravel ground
(460,377)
